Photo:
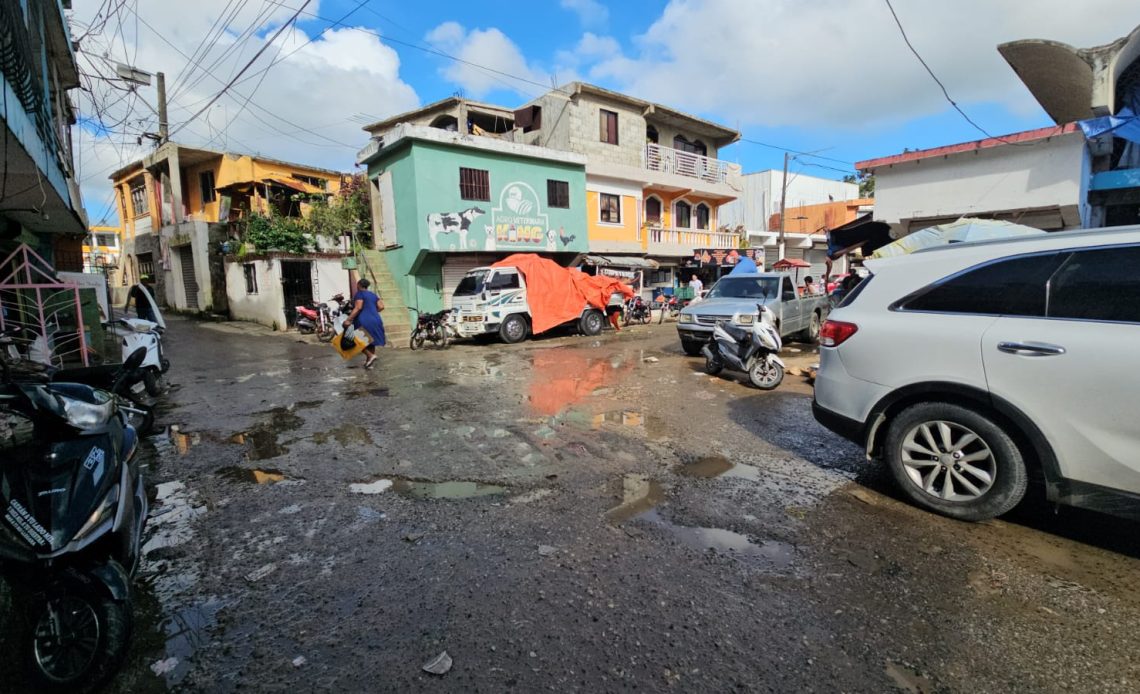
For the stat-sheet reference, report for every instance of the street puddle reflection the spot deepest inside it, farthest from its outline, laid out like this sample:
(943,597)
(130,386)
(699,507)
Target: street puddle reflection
(367,393)
(261,440)
(344,435)
(241,474)
(182,441)
(564,376)
(633,419)
(413,489)
(712,466)
(640,498)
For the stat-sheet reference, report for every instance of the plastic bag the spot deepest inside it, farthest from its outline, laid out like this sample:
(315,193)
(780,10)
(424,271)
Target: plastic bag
(348,337)
(359,341)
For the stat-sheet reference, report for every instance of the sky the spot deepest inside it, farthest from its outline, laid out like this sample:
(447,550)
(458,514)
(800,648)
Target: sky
(830,77)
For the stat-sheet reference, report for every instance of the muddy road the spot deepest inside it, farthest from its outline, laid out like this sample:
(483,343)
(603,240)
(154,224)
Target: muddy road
(587,514)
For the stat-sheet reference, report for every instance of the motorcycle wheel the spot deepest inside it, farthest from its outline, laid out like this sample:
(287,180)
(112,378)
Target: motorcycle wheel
(444,341)
(765,375)
(713,366)
(326,335)
(647,317)
(88,647)
(150,382)
(417,339)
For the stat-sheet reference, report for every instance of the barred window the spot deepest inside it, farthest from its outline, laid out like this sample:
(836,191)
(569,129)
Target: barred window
(474,184)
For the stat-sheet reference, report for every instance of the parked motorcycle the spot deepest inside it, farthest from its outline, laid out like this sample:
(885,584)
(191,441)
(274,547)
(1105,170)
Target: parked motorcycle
(671,308)
(431,327)
(321,318)
(637,311)
(146,332)
(74,508)
(750,344)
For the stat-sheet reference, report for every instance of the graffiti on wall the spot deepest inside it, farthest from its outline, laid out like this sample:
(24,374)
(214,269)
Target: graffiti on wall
(517,223)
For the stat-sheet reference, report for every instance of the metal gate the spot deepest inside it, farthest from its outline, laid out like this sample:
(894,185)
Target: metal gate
(189,279)
(296,287)
(455,267)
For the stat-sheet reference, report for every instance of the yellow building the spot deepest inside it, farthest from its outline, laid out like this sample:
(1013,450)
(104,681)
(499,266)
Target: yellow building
(175,207)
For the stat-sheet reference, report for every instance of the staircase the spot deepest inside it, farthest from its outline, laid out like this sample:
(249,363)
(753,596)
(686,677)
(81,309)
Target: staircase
(397,319)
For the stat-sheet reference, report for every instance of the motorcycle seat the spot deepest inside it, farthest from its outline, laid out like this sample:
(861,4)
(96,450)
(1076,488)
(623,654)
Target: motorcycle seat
(739,334)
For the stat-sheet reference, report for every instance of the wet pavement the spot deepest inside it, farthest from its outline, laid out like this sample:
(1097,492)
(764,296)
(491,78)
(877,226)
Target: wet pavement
(588,514)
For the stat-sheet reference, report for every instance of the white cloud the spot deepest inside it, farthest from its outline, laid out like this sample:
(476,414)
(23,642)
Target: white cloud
(590,12)
(842,62)
(302,111)
(487,48)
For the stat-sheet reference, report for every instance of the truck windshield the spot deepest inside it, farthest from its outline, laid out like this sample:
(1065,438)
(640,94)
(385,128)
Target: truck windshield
(471,284)
(745,288)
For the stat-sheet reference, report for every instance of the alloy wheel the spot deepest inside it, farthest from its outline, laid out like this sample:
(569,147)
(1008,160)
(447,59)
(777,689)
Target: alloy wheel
(66,638)
(948,460)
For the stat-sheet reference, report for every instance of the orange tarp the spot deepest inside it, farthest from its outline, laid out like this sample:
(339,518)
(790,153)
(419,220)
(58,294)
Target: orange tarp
(557,294)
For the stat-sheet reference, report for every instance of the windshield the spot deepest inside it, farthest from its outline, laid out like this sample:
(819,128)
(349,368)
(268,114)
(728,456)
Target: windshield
(471,284)
(744,288)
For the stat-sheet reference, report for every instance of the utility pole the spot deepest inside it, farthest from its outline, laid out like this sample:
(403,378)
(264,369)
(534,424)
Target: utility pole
(163,124)
(783,203)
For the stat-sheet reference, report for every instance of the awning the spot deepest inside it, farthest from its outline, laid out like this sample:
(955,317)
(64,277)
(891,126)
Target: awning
(789,263)
(294,184)
(863,233)
(621,261)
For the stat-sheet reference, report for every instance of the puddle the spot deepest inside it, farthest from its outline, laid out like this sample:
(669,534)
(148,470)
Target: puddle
(242,474)
(455,489)
(261,439)
(186,630)
(367,393)
(651,425)
(182,441)
(344,435)
(639,494)
(171,517)
(718,466)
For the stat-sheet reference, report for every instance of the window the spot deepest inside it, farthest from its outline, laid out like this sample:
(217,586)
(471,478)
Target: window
(250,271)
(694,147)
(321,183)
(609,127)
(1011,287)
(610,208)
(138,197)
(206,183)
(1100,284)
(653,210)
(703,216)
(505,280)
(107,240)
(682,215)
(789,289)
(146,265)
(474,184)
(529,118)
(557,194)
(651,134)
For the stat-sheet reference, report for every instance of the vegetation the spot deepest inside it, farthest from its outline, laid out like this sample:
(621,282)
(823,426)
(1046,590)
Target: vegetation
(347,212)
(866,183)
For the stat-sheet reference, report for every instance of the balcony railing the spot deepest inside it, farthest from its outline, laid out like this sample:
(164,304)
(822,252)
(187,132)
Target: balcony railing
(674,161)
(692,238)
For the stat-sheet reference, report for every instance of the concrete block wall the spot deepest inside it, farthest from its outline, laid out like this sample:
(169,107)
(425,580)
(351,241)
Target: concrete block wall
(586,130)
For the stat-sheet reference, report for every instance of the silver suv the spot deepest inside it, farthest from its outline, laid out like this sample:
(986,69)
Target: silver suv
(972,367)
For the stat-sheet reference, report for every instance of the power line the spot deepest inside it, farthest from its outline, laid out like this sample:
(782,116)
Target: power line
(796,152)
(244,68)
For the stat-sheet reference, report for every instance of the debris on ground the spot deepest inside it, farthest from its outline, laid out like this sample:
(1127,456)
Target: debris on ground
(438,665)
(260,573)
(547,550)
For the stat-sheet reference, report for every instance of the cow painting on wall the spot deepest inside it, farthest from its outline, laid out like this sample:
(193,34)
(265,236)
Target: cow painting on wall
(452,225)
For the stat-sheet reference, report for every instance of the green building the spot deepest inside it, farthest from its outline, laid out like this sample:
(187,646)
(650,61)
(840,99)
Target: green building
(444,203)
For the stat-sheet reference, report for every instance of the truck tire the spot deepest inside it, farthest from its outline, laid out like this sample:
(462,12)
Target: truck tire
(513,329)
(693,349)
(810,335)
(591,323)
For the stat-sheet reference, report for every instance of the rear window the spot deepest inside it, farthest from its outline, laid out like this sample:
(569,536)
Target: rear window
(1101,284)
(1011,287)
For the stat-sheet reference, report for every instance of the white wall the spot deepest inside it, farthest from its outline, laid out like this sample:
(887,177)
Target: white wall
(1043,173)
(760,198)
(265,306)
(330,279)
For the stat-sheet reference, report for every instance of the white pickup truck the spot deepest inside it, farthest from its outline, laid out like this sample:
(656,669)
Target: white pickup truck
(493,301)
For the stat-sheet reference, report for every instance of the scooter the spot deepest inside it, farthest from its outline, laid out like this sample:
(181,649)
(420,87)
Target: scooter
(74,507)
(146,332)
(748,343)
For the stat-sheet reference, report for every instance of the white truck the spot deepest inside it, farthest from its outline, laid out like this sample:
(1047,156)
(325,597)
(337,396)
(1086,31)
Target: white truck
(493,301)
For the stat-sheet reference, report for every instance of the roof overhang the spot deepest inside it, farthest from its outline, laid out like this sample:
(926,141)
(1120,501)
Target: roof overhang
(973,146)
(621,261)
(1070,83)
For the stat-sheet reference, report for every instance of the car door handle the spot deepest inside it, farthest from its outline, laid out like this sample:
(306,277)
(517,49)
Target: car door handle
(1031,349)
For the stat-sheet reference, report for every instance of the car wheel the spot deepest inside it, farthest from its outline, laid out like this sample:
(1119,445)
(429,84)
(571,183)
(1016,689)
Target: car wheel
(955,461)
(811,334)
(591,323)
(513,329)
(693,349)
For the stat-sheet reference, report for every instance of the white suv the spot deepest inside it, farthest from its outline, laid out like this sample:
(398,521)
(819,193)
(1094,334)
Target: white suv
(969,367)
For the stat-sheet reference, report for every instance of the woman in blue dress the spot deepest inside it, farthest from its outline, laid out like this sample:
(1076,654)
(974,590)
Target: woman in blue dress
(366,308)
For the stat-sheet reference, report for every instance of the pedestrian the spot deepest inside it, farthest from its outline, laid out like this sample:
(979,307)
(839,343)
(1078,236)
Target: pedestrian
(613,309)
(697,285)
(366,308)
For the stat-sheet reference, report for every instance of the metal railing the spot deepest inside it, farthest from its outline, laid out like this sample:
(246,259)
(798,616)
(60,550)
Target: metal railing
(697,238)
(674,161)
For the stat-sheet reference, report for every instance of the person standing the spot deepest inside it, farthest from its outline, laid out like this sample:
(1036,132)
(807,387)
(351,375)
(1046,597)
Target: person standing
(366,308)
(697,285)
(613,309)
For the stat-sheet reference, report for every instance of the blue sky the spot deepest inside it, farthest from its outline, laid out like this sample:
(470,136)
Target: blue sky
(830,75)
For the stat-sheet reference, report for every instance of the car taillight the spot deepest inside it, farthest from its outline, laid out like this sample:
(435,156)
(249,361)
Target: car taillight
(835,332)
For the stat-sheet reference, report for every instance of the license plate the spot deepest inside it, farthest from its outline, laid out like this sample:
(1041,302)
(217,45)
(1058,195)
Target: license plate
(472,319)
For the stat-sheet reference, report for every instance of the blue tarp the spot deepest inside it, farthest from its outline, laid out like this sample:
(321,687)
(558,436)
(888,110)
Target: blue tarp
(743,266)
(1125,125)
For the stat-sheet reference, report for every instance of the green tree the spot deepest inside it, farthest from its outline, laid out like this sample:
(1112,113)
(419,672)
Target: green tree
(866,183)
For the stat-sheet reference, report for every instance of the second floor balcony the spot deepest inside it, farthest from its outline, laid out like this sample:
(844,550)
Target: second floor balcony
(674,241)
(674,161)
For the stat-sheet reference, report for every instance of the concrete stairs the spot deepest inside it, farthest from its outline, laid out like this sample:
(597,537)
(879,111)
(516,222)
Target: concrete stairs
(397,319)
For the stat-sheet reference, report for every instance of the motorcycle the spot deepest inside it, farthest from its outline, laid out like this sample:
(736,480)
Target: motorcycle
(637,311)
(321,318)
(74,507)
(750,344)
(671,308)
(433,327)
